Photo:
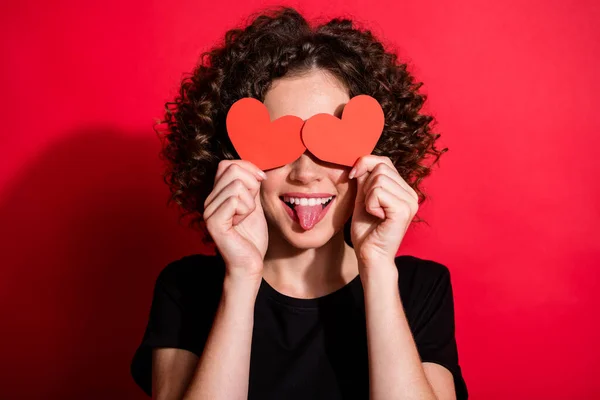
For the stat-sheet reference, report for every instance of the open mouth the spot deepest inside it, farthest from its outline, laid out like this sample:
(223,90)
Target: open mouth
(307,212)
(292,202)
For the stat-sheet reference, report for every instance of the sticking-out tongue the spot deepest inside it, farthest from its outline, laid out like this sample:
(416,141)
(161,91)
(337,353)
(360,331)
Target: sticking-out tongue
(308,215)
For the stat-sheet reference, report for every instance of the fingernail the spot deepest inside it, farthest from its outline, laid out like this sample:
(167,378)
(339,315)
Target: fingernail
(352,172)
(262,174)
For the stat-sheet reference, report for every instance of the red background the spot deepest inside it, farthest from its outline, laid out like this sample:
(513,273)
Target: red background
(513,212)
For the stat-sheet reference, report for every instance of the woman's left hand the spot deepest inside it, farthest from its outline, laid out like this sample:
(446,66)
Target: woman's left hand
(384,208)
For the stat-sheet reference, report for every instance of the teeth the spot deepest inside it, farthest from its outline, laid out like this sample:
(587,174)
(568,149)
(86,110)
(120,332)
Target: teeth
(304,201)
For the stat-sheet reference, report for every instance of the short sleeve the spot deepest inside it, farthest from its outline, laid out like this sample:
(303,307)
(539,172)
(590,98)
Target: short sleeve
(181,315)
(434,324)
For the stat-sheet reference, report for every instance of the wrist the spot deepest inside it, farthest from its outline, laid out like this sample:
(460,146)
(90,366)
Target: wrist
(243,287)
(379,277)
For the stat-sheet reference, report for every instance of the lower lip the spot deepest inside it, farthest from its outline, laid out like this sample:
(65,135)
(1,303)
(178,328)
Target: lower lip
(294,216)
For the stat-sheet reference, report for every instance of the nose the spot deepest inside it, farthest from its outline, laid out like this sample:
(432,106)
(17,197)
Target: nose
(305,169)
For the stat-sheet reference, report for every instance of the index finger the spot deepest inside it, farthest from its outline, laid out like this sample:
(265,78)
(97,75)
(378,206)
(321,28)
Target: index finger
(242,163)
(367,163)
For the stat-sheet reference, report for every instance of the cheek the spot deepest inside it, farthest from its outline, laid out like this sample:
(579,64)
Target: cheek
(268,194)
(271,185)
(347,192)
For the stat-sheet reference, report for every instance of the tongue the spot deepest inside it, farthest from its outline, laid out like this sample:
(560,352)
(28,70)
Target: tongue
(307,215)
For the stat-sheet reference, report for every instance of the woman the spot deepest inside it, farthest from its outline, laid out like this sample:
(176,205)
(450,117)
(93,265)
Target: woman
(298,303)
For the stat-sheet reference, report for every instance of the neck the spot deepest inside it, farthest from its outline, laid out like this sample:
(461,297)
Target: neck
(309,273)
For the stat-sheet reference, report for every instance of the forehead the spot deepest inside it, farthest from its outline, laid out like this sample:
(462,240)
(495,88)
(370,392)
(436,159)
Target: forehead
(306,95)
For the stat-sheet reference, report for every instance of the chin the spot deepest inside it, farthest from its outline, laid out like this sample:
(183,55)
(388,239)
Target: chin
(312,239)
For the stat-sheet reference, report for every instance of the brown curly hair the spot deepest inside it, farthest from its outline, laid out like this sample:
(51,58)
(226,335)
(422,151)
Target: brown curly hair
(276,43)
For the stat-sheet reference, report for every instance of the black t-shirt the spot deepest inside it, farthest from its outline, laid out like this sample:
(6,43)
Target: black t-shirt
(301,348)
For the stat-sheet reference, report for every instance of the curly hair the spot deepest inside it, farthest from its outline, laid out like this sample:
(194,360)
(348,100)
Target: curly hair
(277,43)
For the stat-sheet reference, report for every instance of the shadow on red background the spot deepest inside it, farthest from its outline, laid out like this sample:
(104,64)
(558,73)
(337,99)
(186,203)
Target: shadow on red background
(79,224)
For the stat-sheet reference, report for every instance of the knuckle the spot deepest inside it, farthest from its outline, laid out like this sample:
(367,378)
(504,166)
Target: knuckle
(389,168)
(223,164)
(233,200)
(379,179)
(253,190)
(414,193)
(238,184)
(235,167)
(386,160)
(376,190)
(379,167)
(372,207)
(407,209)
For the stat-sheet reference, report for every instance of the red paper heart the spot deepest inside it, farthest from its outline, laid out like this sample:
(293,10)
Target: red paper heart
(343,141)
(256,139)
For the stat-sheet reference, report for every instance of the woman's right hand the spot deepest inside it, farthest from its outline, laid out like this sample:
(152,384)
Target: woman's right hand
(235,218)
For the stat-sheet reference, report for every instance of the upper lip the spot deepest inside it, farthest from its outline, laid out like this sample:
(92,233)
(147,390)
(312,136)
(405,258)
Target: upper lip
(307,195)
